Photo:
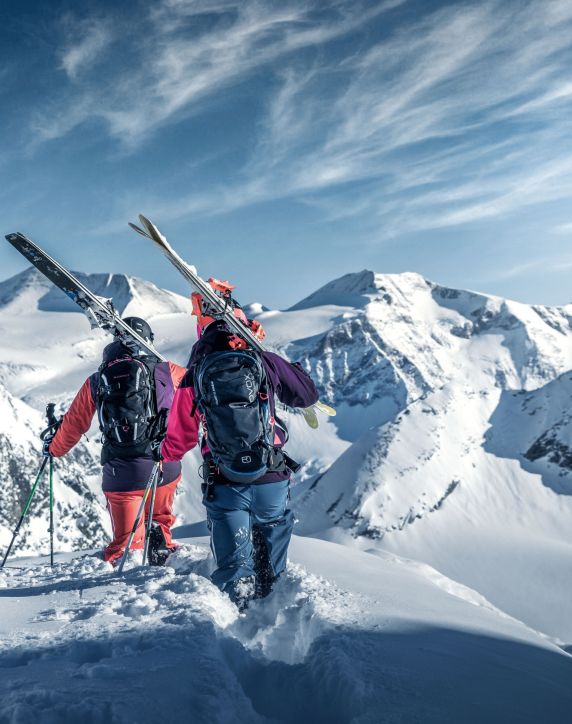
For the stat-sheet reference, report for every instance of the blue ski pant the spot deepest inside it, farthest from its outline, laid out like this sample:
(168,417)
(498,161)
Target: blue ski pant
(231,516)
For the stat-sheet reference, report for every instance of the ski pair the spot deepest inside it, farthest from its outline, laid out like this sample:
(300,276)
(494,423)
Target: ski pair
(150,489)
(220,303)
(99,311)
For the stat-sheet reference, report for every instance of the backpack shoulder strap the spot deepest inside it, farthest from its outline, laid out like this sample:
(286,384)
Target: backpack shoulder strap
(164,388)
(93,385)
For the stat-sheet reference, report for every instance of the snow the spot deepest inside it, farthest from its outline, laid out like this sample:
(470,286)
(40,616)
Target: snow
(455,405)
(345,637)
(432,576)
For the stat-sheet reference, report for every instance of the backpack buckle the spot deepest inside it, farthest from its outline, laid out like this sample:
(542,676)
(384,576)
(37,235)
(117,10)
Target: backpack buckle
(236,342)
(210,482)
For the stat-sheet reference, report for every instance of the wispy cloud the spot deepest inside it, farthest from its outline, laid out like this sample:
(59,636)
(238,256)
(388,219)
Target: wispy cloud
(564,229)
(460,115)
(544,265)
(188,52)
(458,79)
(88,40)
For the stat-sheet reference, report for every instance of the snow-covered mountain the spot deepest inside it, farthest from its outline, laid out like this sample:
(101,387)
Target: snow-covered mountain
(79,516)
(451,445)
(453,406)
(30,289)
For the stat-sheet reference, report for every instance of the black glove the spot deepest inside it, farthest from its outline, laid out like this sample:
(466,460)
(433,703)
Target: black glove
(156,450)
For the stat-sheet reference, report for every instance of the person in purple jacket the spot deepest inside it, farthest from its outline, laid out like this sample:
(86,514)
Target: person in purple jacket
(250,524)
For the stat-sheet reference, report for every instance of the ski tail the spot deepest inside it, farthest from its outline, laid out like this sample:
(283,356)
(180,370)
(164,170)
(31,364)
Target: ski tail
(326,409)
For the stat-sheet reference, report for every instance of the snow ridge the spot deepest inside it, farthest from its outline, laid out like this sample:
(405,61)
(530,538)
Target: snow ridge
(96,646)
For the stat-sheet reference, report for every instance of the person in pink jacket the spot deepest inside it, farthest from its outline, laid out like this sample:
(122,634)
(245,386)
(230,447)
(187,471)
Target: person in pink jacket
(250,524)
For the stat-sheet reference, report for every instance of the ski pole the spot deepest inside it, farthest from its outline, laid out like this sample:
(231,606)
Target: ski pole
(148,487)
(47,434)
(51,528)
(25,511)
(149,521)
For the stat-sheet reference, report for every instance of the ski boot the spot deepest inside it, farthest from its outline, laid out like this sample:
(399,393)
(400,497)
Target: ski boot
(241,592)
(265,577)
(158,551)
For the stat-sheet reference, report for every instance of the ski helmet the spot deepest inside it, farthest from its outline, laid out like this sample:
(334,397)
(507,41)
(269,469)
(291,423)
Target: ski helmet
(141,327)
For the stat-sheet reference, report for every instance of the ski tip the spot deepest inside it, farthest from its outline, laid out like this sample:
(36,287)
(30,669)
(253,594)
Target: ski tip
(152,231)
(147,223)
(138,229)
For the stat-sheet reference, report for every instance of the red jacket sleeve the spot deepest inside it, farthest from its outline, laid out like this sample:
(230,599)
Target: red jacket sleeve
(76,422)
(182,427)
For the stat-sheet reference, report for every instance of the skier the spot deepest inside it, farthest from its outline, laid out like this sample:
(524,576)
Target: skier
(127,391)
(250,522)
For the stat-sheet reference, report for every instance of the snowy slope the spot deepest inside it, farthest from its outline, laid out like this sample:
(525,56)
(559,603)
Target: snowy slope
(346,637)
(426,487)
(442,464)
(79,514)
(451,444)
(535,428)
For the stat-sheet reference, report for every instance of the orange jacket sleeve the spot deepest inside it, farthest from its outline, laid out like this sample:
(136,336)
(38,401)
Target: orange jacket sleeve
(75,423)
(177,373)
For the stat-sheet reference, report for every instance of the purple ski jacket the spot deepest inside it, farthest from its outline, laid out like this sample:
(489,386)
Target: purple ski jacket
(289,383)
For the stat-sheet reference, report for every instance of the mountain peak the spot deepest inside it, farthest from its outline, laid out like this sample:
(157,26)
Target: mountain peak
(14,287)
(30,289)
(358,289)
(351,290)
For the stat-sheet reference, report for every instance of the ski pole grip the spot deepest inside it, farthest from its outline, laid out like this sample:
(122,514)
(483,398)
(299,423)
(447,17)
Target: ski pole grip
(50,415)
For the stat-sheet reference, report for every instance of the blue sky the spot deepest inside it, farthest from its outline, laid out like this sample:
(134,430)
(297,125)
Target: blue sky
(283,144)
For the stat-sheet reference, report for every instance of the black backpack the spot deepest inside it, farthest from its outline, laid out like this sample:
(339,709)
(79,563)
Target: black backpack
(232,395)
(126,405)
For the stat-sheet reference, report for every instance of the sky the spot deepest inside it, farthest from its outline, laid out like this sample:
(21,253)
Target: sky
(283,144)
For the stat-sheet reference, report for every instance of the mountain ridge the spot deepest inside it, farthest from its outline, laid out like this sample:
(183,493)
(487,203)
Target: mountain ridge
(125,290)
(426,380)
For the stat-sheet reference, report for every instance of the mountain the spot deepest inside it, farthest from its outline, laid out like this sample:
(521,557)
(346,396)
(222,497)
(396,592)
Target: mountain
(79,517)
(30,289)
(351,290)
(452,441)
(427,381)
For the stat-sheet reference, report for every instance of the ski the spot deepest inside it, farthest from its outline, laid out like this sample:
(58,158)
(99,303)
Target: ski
(196,281)
(99,311)
(326,409)
(150,231)
(310,417)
